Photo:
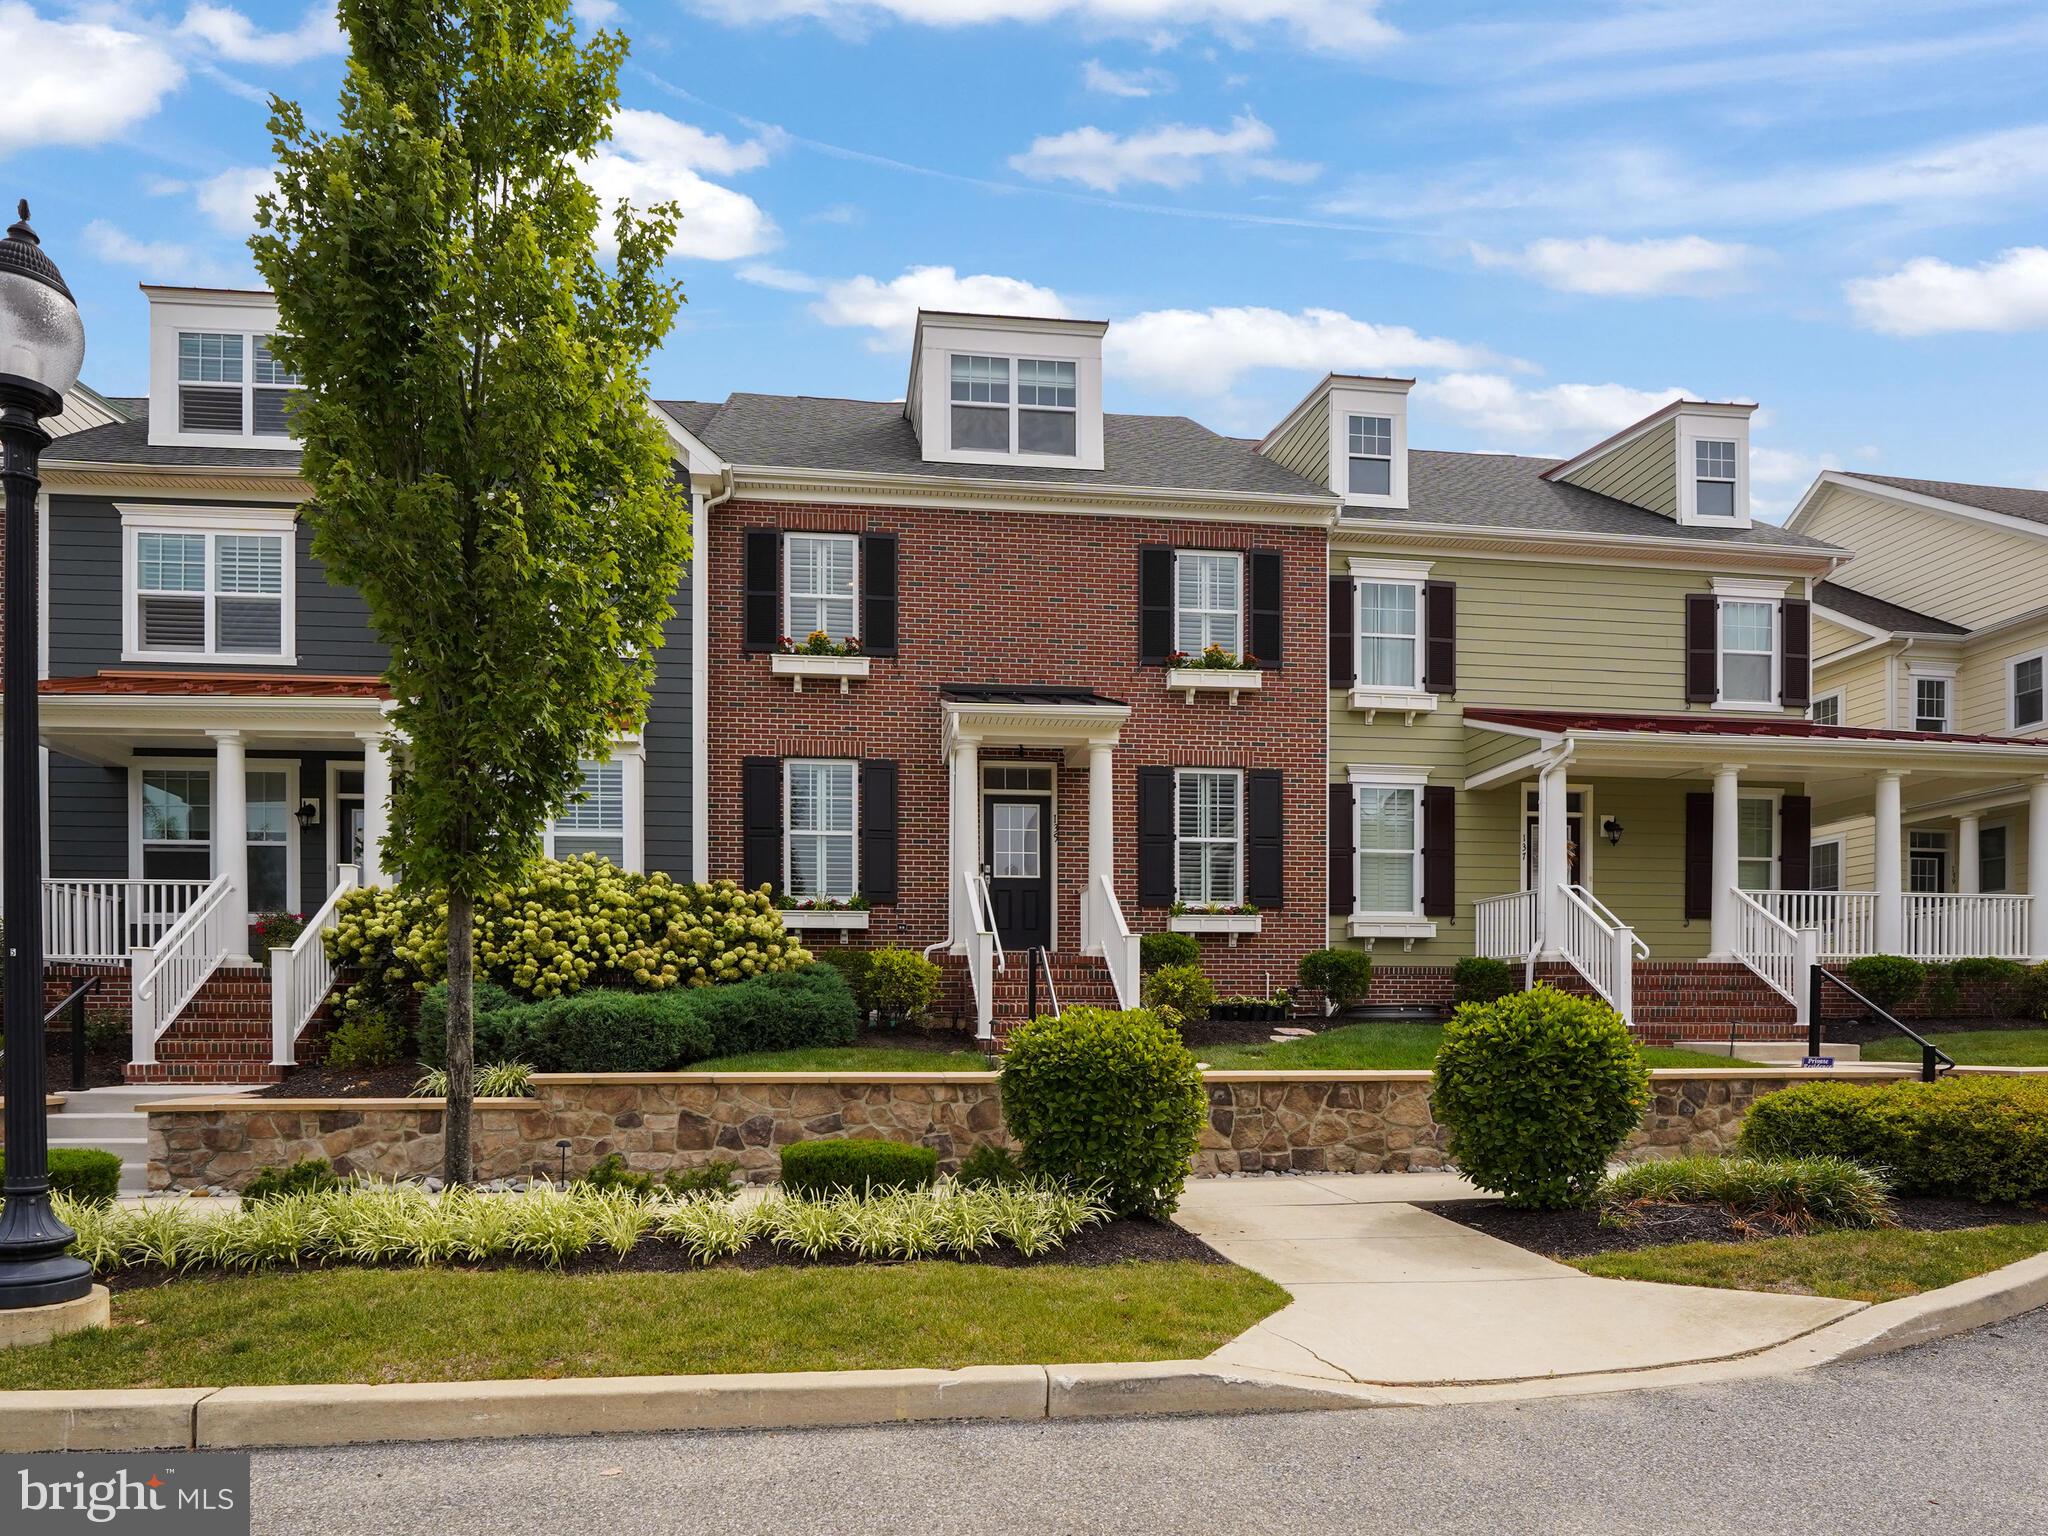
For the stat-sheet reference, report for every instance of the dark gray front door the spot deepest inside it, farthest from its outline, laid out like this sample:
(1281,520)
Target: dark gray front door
(1017,842)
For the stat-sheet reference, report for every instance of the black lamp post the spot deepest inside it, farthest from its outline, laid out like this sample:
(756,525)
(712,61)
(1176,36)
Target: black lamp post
(42,344)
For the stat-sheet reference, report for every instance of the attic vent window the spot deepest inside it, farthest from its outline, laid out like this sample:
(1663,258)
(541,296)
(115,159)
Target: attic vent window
(981,404)
(1714,472)
(1372,455)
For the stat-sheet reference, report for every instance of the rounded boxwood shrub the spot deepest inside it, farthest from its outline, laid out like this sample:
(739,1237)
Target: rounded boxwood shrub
(777,1012)
(83,1173)
(1481,979)
(853,964)
(1889,981)
(1109,1100)
(1538,1090)
(1344,976)
(1169,948)
(832,1167)
(1180,993)
(307,1176)
(2001,984)
(901,983)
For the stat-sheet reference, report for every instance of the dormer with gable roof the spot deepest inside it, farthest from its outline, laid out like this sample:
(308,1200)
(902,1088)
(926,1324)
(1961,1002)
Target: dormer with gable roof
(1688,462)
(1351,435)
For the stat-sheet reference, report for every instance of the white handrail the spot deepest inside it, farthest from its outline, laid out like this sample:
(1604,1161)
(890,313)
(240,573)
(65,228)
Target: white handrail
(1949,925)
(164,977)
(302,975)
(102,921)
(1504,927)
(1601,951)
(1767,944)
(1608,917)
(985,919)
(983,945)
(1119,945)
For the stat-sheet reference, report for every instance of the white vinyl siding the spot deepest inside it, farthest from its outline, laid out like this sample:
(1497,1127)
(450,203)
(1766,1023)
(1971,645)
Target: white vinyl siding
(819,818)
(821,581)
(1389,850)
(1389,648)
(1208,601)
(1209,830)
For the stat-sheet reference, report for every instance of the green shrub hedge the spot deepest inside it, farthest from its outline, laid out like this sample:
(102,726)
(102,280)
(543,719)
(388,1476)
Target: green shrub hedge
(862,1167)
(1344,976)
(778,1012)
(1977,1138)
(1168,948)
(1106,1100)
(2001,984)
(1887,980)
(902,983)
(1184,990)
(307,1176)
(1538,1090)
(83,1173)
(1481,979)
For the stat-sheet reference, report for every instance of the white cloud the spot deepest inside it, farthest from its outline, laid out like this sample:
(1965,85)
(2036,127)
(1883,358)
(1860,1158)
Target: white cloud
(236,38)
(158,260)
(1336,26)
(1205,352)
(652,159)
(76,82)
(1132,84)
(1578,414)
(1928,295)
(782,279)
(228,199)
(1175,155)
(890,309)
(1688,264)
(595,13)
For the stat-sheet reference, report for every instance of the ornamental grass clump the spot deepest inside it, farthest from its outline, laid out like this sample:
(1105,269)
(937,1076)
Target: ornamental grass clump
(1538,1091)
(1793,1192)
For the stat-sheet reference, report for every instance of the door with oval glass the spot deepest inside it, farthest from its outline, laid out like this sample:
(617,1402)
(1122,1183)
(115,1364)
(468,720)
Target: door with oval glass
(1016,837)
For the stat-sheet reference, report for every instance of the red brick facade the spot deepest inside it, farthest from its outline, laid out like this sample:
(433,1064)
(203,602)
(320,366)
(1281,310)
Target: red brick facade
(1033,598)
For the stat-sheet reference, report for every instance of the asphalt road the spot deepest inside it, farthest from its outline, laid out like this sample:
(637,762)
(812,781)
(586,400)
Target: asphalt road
(1949,1438)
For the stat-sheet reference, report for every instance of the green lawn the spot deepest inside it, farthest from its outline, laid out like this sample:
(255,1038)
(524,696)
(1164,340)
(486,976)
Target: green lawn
(1972,1048)
(1851,1266)
(1382,1047)
(846,1058)
(379,1325)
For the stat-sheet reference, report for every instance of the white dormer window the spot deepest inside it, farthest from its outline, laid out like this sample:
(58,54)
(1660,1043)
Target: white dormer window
(272,384)
(1371,452)
(1047,406)
(1714,477)
(1045,409)
(981,403)
(230,385)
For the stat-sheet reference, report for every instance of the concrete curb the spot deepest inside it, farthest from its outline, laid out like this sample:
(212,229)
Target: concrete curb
(250,1418)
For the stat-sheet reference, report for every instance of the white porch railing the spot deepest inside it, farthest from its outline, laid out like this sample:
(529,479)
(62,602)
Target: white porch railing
(1768,945)
(1105,924)
(302,975)
(1845,920)
(1601,948)
(100,922)
(163,977)
(1504,927)
(984,953)
(1948,926)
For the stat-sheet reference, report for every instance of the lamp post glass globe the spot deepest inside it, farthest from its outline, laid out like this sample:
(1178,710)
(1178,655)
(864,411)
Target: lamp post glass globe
(42,345)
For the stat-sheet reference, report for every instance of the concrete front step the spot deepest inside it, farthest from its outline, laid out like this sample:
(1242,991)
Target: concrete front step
(1793,1051)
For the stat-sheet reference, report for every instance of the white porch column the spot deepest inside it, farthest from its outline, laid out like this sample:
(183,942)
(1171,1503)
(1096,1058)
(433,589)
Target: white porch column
(1727,858)
(965,838)
(1553,863)
(1969,879)
(1890,878)
(1101,835)
(376,802)
(231,826)
(2037,869)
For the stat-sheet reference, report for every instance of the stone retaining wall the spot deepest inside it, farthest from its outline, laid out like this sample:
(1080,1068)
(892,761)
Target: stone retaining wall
(1305,1122)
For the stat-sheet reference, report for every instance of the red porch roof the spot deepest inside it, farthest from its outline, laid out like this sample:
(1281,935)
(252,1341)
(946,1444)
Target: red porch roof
(1558,721)
(243,685)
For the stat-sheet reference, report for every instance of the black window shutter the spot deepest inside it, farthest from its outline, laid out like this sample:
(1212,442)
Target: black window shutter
(1798,690)
(1699,855)
(1439,851)
(1343,846)
(878,594)
(1343,653)
(761,822)
(1440,636)
(1702,650)
(1155,604)
(1155,837)
(763,589)
(1795,842)
(1264,573)
(1265,839)
(878,831)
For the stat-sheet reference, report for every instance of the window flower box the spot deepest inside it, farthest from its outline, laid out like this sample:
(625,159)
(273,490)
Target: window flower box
(1189,681)
(1404,701)
(798,665)
(1231,923)
(844,920)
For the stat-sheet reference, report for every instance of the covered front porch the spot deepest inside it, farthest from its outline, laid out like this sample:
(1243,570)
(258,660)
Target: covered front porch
(1726,869)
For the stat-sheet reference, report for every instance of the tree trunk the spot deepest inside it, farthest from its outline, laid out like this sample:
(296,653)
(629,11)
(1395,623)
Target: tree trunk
(456,1164)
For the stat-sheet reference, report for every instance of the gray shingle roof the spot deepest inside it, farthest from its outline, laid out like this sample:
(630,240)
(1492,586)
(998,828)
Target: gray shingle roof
(1507,491)
(1875,611)
(2010,500)
(1168,453)
(127,442)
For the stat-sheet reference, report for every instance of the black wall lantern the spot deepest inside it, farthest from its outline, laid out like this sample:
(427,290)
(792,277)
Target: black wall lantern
(1611,830)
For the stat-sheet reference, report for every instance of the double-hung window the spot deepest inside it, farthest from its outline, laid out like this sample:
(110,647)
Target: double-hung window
(1749,652)
(1048,414)
(1389,648)
(269,804)
(1209,826)
(1827,709)
(1930,703)
(1713,477)
(819,821)
(209,593)
(822,581)
(1824,865)
(1389,850)
(1371,454)
(1208,601)
(594,820)
(177,824)
(230,384)
(1756,843)
(981,403)
(1044,406)
(2025,691)
(1993,871)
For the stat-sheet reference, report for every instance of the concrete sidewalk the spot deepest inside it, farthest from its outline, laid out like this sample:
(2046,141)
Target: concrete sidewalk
(1387,1294)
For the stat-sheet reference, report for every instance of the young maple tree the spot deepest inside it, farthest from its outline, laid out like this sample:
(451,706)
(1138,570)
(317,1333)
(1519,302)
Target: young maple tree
(486,469)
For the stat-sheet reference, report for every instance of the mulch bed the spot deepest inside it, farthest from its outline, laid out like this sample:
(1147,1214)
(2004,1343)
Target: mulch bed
(1115,1242)
(1574,1234)
(102,1068)
(344,1083)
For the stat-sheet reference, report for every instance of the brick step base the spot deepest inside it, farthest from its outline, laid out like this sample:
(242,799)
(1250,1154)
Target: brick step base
(221,1036)
(204,1072)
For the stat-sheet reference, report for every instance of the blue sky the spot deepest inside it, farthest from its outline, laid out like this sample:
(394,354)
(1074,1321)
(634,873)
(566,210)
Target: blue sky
(1553,216)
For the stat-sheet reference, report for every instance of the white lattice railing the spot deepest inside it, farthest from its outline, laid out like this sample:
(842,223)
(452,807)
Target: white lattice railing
(1118,944)
(303,975)
(1845,920)
(1767,944)
(1948,926)
(103,921)
(163,977)
(1504,927)
(1599,948)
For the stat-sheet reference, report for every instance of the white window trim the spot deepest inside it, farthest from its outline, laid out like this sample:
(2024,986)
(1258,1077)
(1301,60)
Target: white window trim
(209,765)
(1018,407)
(2012,667)
(1236,558)
(1409,925)
(1713,426)
(853,833)
(1360,397)
(277,522)
(2005,886)
(294,830)
(1840,844)
(248,385)
(1015,454)
(1841,698)
(1411,700)
(1180,777)
(631,756)
(1949,858)
(1741,590)
(1732,481)
(1051,797)
(1777,800)
(1946,676)
(1387,458)
(789,595)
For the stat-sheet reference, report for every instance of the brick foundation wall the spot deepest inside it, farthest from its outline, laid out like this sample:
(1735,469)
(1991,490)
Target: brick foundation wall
(1311,1122)
(1837,1004)
(1410,986)
(1033,598)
